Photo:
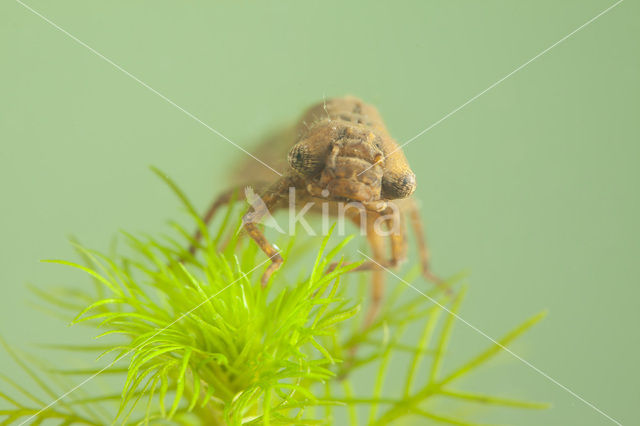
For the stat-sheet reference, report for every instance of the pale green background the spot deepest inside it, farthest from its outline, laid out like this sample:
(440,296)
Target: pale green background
(533,187)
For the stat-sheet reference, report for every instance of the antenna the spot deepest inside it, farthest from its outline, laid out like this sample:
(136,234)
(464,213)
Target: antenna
(324,102)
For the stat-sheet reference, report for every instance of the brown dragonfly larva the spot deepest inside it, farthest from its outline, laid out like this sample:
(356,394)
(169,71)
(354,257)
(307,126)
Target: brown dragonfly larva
(340,156)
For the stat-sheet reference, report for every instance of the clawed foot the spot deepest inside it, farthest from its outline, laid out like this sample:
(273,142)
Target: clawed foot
(276,261)
(429,276)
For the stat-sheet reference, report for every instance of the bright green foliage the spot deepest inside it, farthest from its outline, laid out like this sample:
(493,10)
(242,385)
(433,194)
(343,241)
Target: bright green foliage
(200,342)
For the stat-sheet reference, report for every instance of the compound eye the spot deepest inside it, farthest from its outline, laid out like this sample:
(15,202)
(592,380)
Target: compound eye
(303,161)
(398,186)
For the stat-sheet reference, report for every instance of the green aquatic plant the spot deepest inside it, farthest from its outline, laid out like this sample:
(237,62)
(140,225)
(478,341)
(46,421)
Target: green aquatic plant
(187,339)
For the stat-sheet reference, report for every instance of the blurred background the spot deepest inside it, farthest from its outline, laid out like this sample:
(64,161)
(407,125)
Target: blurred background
(532,187)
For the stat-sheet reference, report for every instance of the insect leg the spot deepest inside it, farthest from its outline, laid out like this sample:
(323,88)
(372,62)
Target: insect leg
(392,220)
(220,201)
(377,282)
(416,222)
(376,242)
(257,211)
(396,227)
